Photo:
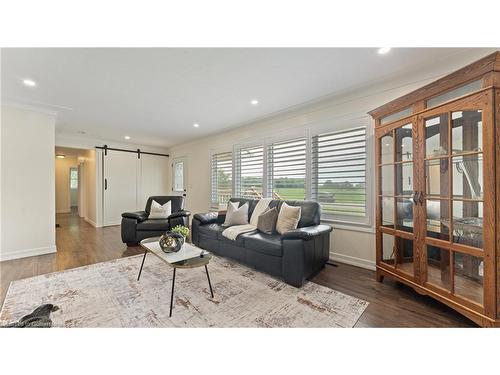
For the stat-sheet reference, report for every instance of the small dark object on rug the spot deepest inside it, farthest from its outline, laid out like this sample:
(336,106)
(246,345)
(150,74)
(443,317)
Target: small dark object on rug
(39,318)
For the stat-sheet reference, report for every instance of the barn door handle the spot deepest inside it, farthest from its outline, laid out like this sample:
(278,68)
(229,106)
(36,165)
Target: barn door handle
(105,184)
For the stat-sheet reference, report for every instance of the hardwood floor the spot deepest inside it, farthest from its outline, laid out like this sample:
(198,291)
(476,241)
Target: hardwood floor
(78,244)
(391,304)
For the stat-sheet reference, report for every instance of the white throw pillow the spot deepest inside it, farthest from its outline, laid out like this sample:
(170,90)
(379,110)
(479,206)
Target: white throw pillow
(288,218)
(159,211)
(235,215)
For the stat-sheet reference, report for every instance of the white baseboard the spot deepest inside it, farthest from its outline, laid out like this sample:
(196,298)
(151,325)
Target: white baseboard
(93,223)
(353,261)
(16,254)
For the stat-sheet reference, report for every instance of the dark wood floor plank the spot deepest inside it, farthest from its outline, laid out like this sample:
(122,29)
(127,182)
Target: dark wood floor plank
(391,304)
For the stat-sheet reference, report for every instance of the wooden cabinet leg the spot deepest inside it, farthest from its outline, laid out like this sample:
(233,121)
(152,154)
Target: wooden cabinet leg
(380,277)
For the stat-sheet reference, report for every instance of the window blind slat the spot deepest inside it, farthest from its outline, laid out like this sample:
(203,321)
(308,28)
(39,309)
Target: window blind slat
(339,172)
(249,172)
(286,169)
(222,176)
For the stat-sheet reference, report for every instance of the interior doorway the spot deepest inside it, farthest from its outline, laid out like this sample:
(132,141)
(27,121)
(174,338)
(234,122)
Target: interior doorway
(75,183)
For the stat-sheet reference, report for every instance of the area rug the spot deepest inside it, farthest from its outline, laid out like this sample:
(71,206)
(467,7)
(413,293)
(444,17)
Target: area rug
(108,295)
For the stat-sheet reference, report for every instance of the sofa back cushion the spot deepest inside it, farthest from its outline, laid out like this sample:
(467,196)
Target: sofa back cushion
(177,202)
(310,210)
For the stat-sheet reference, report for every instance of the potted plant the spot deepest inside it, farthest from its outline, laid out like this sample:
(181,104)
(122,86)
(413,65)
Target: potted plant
(182,230)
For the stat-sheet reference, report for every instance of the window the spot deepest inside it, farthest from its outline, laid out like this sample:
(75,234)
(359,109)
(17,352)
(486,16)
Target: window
(249,172)
(339,174)
(222,178)
(178,172)
(73,178)
(286,164)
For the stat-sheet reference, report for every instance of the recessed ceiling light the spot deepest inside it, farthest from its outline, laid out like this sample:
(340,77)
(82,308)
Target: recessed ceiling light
(29,82)
(383,50)
(196,125)
(254,102)
(60,156)
(127,137)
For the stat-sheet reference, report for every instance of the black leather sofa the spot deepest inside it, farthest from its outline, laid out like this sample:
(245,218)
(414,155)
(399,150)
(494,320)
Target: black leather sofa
(293,256)
(137,226)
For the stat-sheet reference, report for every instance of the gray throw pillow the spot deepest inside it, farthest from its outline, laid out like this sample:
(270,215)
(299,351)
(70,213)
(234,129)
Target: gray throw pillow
(235,215)
(266,223)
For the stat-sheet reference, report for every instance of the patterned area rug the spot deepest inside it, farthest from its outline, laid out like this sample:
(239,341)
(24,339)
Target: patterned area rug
(108,295)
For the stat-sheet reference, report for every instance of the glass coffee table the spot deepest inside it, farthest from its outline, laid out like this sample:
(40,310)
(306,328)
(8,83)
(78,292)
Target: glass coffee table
(189,256)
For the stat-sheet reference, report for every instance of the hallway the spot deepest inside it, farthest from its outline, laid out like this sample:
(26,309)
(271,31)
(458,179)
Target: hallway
(78,244)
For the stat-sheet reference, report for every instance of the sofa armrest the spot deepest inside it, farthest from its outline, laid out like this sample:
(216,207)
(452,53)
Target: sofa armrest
(307,233)
(182,213)
(207,218)
(139,215)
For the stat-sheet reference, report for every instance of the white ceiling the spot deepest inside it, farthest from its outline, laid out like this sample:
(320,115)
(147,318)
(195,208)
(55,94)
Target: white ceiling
(154,95)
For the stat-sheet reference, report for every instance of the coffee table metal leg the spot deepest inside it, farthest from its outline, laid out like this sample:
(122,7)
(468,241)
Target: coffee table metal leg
(172,295)
(142,265)
(209,283)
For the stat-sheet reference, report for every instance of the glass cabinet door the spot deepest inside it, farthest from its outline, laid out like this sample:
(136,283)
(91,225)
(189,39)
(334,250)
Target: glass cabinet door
(395,194)
(454,204)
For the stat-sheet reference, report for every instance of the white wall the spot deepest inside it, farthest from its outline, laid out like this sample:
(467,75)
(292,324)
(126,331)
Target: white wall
(63,194)
(27,179)
(354,245)
(89,187)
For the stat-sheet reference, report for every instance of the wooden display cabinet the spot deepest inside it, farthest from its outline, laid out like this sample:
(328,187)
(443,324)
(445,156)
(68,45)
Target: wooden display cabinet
(437,153)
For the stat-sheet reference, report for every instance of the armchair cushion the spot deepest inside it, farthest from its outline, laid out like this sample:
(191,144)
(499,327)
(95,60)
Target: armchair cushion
(139,215)
(154,224)
(307,233)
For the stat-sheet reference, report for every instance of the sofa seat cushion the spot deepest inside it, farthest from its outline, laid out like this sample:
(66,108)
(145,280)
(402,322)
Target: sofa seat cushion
(154,224)
(238,242)
(269,244)
(211,231)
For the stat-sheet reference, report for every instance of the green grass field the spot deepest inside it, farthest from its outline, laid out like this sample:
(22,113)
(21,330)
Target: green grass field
(347,201)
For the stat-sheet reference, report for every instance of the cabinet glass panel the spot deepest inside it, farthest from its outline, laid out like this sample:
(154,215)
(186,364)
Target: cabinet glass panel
(387,180)
(455,93)
(404,214)
(468,277)
(437,177)
(468,223)
(436,136)
(404,179)
(404,255)
(387,212)
(438,219)
(404,143)
(438,267)
(468,176)
(467,131)
(387,149)
(388,249)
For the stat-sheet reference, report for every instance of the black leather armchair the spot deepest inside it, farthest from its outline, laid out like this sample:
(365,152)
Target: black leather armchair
(294,256)
(137,226)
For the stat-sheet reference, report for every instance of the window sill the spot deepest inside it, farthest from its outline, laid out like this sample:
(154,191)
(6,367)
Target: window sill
(355,227)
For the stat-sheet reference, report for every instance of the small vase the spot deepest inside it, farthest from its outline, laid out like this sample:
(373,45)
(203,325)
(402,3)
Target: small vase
(171,242)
